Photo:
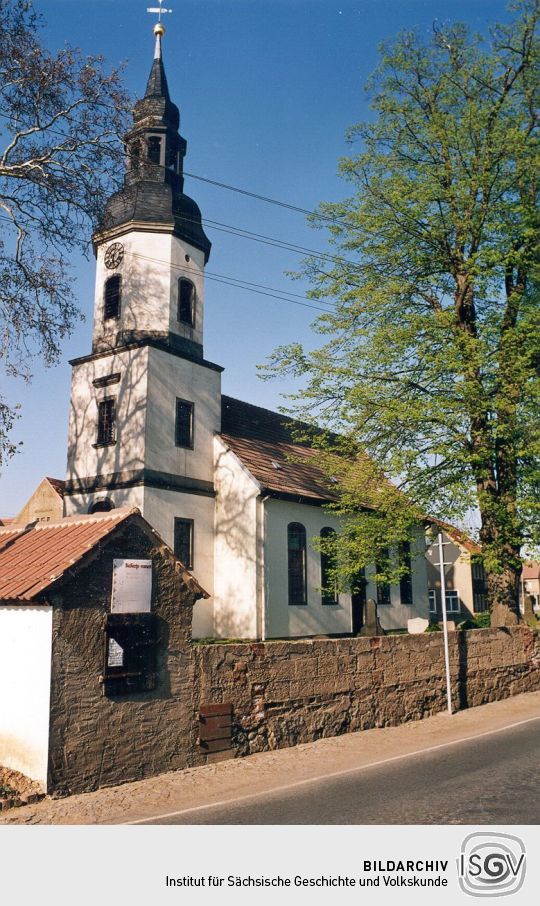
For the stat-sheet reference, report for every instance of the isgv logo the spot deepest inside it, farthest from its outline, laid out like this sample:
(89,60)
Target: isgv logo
(491,865)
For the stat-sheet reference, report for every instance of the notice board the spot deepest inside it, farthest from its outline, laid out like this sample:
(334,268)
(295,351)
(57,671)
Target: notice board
(132,586)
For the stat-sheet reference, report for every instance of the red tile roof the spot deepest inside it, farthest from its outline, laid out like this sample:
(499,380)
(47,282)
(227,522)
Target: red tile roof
(35,556)
(457,535)
(58,485)
(263,441)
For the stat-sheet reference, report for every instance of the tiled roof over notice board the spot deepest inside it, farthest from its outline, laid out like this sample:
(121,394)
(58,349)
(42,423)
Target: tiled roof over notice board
(33,557)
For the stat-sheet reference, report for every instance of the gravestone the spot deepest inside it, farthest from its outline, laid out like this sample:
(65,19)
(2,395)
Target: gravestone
(528,612)
(501,615)
(417,625)
(450,625)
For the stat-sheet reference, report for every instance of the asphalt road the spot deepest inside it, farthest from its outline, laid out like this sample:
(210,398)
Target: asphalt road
(489,780)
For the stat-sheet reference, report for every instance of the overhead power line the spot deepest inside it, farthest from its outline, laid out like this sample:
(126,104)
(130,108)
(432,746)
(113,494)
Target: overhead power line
(236,282)
(125,155)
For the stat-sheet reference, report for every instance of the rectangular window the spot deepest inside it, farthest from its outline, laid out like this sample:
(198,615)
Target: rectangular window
(405,582)
(478,587)
(478,570)
(452,601)
(130,653)
(383,588)
(432,596)
(106,426)
(183,541)
(184,424)
(480,604)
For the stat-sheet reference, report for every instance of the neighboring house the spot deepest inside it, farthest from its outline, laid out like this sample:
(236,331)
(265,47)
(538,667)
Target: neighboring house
(465,584)
(530,583)
(95,620)
(150,428)
(46,503)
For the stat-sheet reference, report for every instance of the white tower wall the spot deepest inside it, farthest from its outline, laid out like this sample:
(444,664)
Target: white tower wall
(153,263)
(85,459)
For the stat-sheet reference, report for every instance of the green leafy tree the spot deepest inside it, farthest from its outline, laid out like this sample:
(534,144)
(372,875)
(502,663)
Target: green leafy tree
(60,118)
(431,357)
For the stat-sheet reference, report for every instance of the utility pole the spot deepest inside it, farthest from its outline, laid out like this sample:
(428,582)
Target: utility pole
(442,564)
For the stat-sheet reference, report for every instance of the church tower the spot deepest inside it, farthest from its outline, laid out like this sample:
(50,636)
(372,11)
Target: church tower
(145,404)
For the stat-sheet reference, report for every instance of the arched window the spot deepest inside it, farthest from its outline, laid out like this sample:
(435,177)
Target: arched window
(186,302)
(154,149)
(328,561)
(112,297)
(297,563)
(101,506)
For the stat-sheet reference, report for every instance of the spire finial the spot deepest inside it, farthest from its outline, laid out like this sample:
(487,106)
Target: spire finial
(159,28)
(159,31)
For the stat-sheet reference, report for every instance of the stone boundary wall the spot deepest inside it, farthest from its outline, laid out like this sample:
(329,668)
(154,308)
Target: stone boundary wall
(286,693)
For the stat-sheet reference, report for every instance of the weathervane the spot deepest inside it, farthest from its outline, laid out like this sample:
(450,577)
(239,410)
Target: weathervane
(159,28)
(158,9)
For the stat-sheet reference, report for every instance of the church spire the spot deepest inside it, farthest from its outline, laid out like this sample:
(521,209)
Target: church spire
(157,80)
(153,190)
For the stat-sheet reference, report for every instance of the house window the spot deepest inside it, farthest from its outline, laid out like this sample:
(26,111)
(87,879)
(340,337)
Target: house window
(405,582)
(477,570)
(478,587)
(183,541)
(452,601)
(130,653)
(480,602)
(329,590)
(432,597)
(297,563)
(106,427)
(383,588)
(186,302)
(112,297)
(183,435)
(154,149)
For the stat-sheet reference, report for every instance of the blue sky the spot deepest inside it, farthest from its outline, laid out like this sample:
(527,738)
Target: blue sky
(266,90)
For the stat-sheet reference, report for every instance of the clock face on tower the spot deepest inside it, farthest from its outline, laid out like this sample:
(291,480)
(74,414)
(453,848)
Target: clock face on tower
(114,255)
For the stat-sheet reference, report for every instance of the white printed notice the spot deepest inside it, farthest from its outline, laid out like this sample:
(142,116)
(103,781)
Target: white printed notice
(132,586)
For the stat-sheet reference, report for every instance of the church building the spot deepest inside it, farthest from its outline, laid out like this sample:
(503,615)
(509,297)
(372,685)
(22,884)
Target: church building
(150,428)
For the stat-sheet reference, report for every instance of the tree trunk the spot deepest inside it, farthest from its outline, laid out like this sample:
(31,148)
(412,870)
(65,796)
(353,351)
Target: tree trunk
(502,563)
(503,594)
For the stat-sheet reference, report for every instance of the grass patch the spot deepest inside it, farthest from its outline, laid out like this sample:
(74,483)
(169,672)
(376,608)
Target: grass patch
(7,791)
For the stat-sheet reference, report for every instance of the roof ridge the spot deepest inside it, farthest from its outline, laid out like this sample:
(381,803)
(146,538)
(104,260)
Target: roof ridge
(288,418)
(116,515)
